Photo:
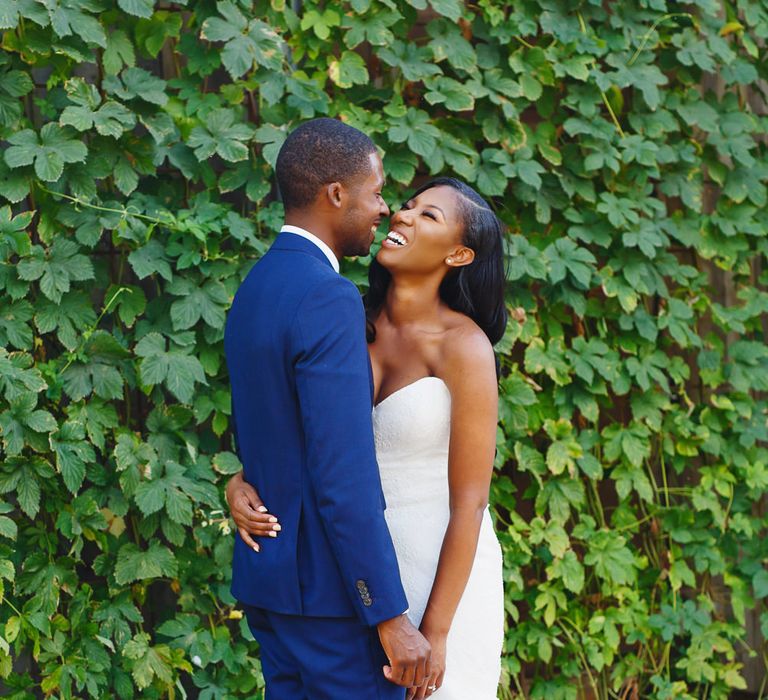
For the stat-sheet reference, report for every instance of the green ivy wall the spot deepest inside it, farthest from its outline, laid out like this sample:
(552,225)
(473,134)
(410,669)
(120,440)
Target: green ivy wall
(623,143)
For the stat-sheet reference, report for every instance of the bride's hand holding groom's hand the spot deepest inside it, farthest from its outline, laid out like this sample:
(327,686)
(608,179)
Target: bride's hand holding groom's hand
(438,643)
(249,512)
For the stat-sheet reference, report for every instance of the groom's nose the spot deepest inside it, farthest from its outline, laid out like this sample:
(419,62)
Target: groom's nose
(384,210)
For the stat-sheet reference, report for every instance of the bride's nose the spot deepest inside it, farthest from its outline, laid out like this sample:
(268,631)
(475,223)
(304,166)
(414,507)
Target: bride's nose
(402,216)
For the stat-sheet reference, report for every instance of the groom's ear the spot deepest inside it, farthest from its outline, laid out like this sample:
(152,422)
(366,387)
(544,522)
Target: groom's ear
(335,194)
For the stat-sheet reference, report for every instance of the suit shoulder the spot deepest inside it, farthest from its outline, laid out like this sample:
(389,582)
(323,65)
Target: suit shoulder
(333,295)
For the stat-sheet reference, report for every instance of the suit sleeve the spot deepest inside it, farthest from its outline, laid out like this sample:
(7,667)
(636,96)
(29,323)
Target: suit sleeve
(332,381)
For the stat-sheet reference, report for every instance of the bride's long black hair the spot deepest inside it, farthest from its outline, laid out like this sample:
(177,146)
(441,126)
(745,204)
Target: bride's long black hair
(477,289)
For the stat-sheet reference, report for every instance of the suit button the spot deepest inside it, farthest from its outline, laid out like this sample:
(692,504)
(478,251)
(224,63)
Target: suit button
(367,601)
(361,585)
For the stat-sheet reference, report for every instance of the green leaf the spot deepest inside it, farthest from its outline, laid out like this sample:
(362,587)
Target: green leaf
(177,369)
(174,491)
(559,495)
(14,325)
(16,83)
(67,20)
(221,135)
(449,44)
(137,8)
(247,43)
(119,53)
(373,27)
(631,441)
(150,259)
(73,452)
(348,70)
(415,129)
(612,559)
(136,83)
(16,377)
(226,463)
(56,268)
(452,9)
(102,379)
(9,529)
(570,570)
(207,301)
(409,58)
(109,119)
(133,564)
(28,491)
(49,151)
(548,359)
(760,584)
(450,92)
(72,313)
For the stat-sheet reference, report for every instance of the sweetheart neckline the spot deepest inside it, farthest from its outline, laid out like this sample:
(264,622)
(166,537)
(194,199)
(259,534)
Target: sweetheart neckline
(407,386)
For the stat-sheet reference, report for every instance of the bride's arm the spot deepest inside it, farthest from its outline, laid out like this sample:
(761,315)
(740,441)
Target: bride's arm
(470,373)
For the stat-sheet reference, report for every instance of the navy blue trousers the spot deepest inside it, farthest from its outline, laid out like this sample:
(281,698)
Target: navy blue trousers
(320,658)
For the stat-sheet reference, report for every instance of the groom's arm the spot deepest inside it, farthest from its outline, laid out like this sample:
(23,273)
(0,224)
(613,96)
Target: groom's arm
(332,381)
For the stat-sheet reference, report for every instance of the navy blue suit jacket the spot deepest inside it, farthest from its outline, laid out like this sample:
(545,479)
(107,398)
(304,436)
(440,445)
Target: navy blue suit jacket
(301,398)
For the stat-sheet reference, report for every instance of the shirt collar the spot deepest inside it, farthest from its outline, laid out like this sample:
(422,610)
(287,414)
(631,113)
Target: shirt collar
(287,228)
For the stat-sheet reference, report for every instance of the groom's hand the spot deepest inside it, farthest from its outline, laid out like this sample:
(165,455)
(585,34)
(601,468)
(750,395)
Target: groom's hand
(249,512)
(407,650)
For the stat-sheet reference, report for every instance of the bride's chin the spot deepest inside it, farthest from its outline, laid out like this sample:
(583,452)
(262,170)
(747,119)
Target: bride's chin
(381,258)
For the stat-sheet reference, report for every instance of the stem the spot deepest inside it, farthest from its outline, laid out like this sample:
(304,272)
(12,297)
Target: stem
(87,333)
(583,26)
(12,606)
(583,658)
(524,42)
(612,113)
(663,464)
(598,504)
(123,212)
(647,36)
(634,524)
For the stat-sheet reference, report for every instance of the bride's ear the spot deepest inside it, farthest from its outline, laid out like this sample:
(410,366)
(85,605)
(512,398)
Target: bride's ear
(460,257)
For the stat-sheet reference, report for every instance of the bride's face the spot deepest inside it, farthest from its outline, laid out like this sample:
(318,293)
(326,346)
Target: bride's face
(425,234)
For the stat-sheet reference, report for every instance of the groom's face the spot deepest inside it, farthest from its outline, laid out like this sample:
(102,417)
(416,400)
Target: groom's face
(365,208)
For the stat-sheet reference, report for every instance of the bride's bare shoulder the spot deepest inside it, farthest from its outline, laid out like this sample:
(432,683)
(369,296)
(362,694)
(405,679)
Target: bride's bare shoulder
(466,351)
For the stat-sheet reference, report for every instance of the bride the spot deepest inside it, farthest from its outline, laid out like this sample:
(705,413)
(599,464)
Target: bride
(435,309)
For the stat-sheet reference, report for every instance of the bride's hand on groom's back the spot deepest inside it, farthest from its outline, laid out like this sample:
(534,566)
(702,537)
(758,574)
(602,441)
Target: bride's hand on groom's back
(249,512)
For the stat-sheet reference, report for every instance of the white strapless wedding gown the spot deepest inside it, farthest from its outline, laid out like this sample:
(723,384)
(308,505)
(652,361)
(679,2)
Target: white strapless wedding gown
(412,431)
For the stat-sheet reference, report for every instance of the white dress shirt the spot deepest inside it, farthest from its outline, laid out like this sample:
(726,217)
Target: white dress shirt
(287,228)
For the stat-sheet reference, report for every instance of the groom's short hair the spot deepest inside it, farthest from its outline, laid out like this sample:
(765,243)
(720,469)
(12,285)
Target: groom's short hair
(316,153)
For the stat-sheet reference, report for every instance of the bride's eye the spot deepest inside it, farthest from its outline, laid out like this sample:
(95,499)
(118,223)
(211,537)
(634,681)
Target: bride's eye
(430,215)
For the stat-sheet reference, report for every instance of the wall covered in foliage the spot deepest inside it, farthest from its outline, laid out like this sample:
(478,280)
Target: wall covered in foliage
(623,144)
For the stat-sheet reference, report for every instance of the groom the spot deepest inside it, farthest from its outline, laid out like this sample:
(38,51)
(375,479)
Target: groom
(324,599)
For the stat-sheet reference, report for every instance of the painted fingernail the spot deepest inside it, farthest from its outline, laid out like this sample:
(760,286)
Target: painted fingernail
(256,548)
(277,527)
(273,534)
(262,509)
(273,519)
